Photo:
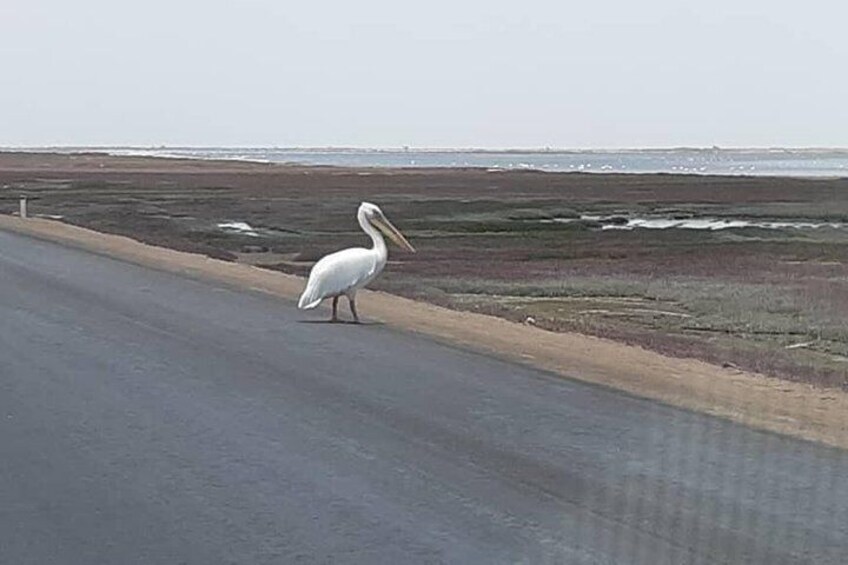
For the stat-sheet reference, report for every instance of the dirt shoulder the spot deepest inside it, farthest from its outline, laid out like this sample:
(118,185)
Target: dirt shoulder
(784,407)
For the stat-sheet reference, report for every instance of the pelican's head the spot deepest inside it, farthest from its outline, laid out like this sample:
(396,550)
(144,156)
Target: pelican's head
(372,214)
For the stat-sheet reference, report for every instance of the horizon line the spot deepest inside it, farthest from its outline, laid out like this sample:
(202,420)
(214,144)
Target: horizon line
(434,149)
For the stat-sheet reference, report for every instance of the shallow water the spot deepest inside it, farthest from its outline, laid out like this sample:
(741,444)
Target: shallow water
(238,227)
(712,224)
(760,162)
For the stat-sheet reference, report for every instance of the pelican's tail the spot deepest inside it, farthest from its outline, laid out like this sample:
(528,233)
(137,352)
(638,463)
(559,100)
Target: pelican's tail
(310,297)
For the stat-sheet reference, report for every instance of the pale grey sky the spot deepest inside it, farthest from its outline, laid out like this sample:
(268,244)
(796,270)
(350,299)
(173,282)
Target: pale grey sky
(483,73)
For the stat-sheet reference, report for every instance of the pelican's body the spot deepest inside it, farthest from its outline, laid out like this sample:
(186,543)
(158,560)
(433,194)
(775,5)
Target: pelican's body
(342,273)
(345,272)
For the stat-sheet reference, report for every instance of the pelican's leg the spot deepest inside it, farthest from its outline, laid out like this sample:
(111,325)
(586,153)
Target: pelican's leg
(335,317)
(352,299)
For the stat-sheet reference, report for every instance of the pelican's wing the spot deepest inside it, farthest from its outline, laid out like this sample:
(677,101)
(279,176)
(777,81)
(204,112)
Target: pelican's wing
(336,274)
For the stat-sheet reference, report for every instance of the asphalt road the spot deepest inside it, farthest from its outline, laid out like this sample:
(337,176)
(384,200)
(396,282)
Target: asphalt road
(147,418)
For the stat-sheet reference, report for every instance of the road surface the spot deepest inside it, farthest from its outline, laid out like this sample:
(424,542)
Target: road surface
(147,418)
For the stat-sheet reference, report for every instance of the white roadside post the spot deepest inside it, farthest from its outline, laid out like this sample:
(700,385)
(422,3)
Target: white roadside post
(23,207)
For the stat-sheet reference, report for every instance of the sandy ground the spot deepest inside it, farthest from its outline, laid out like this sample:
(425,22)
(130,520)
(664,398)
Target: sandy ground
(784,407)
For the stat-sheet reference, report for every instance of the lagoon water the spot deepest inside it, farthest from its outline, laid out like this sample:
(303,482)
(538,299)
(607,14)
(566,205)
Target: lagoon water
(714,161)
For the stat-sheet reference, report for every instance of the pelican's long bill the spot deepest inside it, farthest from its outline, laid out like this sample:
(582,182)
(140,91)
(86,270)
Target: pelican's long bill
(384,225)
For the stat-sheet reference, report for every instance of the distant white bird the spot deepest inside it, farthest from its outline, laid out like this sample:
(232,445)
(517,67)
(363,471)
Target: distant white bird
(346,271)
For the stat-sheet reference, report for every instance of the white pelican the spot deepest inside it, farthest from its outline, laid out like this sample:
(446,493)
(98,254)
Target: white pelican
(346,271)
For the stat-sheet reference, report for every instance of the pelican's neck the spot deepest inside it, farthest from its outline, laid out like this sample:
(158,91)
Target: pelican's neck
(376,237)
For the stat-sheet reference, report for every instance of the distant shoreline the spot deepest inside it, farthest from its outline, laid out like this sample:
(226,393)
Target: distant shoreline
(799,163)
(402,149)
(791,163)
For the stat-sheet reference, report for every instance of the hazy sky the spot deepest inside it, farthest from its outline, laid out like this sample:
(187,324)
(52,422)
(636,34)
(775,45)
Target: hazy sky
(484,73)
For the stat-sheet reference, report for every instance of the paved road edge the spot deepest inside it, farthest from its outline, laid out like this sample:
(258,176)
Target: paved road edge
(770,404)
